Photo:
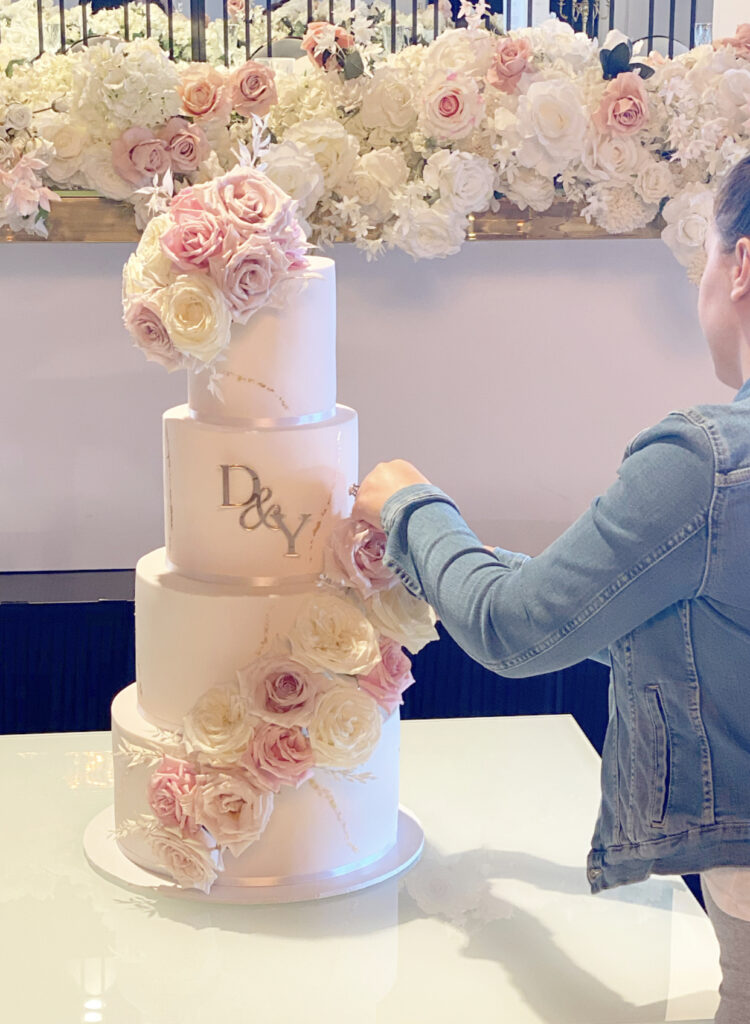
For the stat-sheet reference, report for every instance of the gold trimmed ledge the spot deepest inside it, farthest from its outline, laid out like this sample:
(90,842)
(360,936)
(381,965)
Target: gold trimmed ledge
(86,217)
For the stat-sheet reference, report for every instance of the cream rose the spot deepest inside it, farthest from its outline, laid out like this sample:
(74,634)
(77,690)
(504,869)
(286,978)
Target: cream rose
(553,123)
(334,150)
(294,169)
(611,157)
(67,140)
(219,726)
(231,808)
(654,181)
(400,615)
(345,728)
(332,635)
(388,102)
(156,267)
(687,216)
(189,861)
(376,176)
(464,180)
(195,316)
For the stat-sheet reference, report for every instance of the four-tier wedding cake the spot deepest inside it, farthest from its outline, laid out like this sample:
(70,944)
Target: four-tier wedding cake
(259,747)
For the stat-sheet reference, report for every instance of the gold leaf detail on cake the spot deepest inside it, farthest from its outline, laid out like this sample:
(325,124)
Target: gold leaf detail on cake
(327,795)
(168,461)
(266,632)
(350,775)
(323,514)
(258,383)
(143,825)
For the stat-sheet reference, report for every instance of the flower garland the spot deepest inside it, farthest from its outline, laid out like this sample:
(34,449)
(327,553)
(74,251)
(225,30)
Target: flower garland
(388,150)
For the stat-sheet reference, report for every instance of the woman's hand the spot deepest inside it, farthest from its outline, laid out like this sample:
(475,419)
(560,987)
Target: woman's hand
(379,485)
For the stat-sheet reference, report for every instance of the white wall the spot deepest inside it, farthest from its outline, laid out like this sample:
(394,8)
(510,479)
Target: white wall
(728,14)
(513,374)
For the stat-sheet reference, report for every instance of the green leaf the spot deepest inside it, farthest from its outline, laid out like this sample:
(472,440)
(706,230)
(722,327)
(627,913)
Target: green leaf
(353,66)
(11,66)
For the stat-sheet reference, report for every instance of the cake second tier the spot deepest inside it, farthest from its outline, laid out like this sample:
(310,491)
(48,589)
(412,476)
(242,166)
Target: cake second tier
(255,503)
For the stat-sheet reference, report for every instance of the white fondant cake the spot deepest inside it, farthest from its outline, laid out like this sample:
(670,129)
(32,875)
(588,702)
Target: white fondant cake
(250,751)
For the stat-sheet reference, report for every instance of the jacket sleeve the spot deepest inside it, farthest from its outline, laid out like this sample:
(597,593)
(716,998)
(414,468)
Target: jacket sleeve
(639,547)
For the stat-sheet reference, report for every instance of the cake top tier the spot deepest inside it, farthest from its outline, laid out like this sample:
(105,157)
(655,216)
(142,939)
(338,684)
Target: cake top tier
(280,367)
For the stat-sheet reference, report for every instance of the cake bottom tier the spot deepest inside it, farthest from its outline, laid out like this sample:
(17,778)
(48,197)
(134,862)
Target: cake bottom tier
(334,823)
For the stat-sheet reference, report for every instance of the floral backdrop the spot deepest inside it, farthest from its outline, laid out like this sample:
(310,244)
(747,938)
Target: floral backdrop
(390,150)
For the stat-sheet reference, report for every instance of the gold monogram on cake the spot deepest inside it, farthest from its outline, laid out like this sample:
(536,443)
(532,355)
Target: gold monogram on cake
(257,508)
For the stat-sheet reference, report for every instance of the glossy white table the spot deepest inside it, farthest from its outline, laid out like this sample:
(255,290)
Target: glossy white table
(494,924)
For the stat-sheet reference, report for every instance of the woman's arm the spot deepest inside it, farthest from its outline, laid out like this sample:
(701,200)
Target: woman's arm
(639,548)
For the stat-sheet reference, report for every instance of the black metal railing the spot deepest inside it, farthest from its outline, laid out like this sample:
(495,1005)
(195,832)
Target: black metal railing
(260,26)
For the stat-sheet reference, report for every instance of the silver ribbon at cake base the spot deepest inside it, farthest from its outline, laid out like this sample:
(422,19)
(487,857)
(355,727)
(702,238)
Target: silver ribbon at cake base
(265,423)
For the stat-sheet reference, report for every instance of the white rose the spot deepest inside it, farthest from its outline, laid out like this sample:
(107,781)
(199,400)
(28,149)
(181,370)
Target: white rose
(608,157)
(464,180)
(195,316)
(403,617)
(332,634)
(99,174)
(428,232)
(553,122)
(388,102)
(469,50)
(294,169)
(376,176)
(345,728)
(654,181)
(17,117)
(190,862)
(233,811)
(451,106)
(334,150)
(733,93)
(527,188)
(219,726)
(688,215)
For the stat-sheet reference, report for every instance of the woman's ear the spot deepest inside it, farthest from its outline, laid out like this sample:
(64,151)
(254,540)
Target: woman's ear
(741,271)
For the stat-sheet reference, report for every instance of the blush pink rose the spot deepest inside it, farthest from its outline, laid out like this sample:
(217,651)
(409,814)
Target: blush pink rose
(280,689)
(150,335)
(231,808)
(624,106)
(388,680)
(186,144)
(253,89)
(740,41)
(204,93)
(511,58)
(451,106)
(138,155)
(249,276)
(170,795)
(236,9)
(327,58)
(355,557)
(248,202)
(195,235)
(278,756)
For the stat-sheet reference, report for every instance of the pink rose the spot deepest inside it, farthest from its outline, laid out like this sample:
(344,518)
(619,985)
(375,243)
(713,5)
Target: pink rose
(624,106)
(170,792)
(253,89)
(248,201)
(186,144)
(339,40)
(451,106)
(233,811)
(195,235)
(150,335)
(740,41)
(355,557)
(388,680)
(248,277)
(510,60)
(137,156)
(278,756)
(279,689)
(203,92)
(236,9)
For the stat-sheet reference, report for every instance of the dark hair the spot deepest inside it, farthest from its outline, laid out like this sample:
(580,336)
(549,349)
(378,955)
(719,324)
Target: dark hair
(732,206)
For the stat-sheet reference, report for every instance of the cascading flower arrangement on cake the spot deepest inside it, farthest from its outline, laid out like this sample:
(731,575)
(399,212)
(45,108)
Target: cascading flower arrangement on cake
(315,699)
(223,250)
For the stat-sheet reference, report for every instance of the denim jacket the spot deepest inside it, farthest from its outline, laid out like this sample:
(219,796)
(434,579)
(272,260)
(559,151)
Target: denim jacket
(654,579)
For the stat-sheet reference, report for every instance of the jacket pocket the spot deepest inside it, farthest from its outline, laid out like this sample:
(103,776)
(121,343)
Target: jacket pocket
(662,754)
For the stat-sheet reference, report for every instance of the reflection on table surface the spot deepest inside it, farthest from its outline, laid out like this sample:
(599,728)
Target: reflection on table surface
(496,919)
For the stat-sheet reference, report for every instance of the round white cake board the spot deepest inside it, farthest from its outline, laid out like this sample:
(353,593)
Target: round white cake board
(105,856)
